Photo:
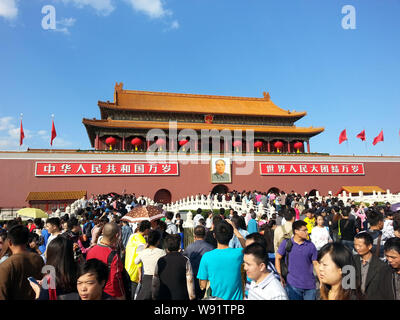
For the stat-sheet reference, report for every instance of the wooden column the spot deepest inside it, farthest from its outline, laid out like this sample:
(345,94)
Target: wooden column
(123,143)
(148,144)
(269,146)
(196,145)
(96,142)
(308,146)
(288,146)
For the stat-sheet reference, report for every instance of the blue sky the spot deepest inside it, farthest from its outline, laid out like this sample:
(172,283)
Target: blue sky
(295,49)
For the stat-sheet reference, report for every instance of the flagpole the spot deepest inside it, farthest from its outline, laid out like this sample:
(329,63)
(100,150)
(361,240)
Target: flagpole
(21,116)
(52,121)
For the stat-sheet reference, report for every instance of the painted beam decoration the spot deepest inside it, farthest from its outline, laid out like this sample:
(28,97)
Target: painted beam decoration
(101,168)
(311,169)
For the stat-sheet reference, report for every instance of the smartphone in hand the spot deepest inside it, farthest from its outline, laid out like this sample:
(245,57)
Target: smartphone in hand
(32,279)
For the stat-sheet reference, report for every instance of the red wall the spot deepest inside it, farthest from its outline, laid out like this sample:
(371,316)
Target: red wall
(18,179)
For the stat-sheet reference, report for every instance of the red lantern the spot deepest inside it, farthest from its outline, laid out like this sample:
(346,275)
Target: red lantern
(136,142)
(182,143)
(237,144)
(258,145)
(160,142)
(111,141)
(298,146)
(278,145)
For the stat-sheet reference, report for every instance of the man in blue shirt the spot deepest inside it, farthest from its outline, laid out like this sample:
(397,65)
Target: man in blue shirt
(222,266)
(195,252)
(300,282)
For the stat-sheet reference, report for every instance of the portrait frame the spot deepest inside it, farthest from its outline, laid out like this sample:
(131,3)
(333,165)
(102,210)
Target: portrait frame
(214,177)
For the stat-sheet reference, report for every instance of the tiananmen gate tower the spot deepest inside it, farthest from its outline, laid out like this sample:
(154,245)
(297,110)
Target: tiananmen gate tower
(168,146)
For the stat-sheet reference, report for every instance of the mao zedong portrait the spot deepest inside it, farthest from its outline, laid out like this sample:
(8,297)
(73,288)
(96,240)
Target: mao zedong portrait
(220,175)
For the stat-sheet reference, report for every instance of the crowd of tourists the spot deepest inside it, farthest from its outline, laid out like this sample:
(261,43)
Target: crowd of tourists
(307,250)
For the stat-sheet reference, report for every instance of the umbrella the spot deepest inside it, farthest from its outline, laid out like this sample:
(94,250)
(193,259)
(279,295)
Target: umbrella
(395,207)
(32,213)
(141,213)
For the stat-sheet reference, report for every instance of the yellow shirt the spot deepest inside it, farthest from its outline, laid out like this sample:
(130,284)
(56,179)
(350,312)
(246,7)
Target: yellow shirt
(136,243)
(310,224)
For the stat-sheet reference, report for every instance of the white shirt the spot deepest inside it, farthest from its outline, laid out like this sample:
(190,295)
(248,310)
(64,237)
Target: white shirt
(268,289)
(387,231)
(149,258)
(320,236)
(196,219)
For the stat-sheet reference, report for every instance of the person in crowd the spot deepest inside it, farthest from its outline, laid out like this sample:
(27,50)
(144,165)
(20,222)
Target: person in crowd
(195,252)
(240,225)
(284,231)
(302,259)
(197,217)
(346,228)
(179,226)
(14,272)
(309,219)
(320,234)
(387,231)
(392,254)
(107,253)
(209,220)
(376,222)
(210,234)
(333,258)
(252,224)
(264,286)
(268,231)
(171,227)
(369,267)
(92,278)
(225,283)
(396,228)
(126,231)
(30,225)
(149,257)
(60,256)
(361,220)
(74,233)
(54,228)
(173,276)
(136,243)
(33,243)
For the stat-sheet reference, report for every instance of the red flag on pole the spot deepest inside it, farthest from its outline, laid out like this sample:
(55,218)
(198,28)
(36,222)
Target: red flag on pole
(53,133)
(378,138)
(361,135)
(343,136)
(21,135)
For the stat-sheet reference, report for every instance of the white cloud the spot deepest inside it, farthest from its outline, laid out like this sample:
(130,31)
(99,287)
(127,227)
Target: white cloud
(10,131)
(103,7)
(66,23)
(175,24)
(8,9)
(153,8)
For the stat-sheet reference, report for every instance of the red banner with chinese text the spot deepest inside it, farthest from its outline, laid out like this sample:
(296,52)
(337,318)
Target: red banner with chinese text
(317,169)
(109,168)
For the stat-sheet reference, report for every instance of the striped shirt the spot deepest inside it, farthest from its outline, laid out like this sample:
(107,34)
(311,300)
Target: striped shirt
(268,289)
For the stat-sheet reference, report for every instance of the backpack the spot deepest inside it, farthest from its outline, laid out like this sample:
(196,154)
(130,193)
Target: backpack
(286,235)
(126,280)
(285,260)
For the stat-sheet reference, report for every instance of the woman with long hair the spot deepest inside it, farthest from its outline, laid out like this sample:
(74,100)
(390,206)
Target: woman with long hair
(334,260)
(60,256)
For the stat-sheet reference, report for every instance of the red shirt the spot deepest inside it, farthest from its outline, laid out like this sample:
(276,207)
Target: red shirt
(114,286)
